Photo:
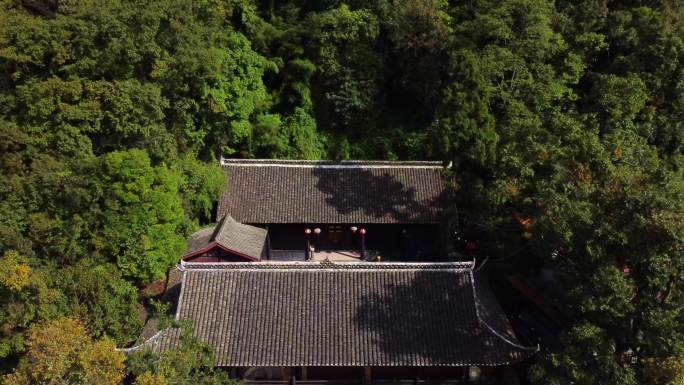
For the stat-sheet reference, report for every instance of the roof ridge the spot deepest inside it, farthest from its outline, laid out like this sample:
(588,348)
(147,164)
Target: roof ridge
(219,227)
(332,163)
(326,265)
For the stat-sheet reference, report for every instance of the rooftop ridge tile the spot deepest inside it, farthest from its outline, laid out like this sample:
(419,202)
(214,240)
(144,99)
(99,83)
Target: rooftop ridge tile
(464,266)
(333,163)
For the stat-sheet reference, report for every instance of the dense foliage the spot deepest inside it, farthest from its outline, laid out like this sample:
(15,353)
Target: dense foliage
(567,114)
(191,363)
(61,352)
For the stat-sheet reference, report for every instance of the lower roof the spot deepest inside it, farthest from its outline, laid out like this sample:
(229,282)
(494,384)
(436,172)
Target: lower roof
(344,314)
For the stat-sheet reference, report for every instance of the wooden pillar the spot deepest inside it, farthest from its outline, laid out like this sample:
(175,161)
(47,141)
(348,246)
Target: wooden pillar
(307,252)
(268,243)
(367,375)
(304,374)
(307,247)
(362,232)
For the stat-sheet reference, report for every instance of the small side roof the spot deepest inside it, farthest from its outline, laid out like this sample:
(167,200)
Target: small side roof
(230,235)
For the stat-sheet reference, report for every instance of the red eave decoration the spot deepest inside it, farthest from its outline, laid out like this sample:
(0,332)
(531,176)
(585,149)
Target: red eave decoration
(526,221)
(213,245)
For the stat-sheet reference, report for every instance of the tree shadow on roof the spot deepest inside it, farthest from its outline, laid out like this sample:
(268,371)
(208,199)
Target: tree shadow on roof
(381,194)
(430,320)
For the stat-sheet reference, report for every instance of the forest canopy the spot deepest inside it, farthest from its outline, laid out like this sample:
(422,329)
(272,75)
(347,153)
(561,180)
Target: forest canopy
(568,113)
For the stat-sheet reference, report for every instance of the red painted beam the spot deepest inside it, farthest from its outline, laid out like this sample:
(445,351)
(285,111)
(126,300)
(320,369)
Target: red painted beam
(214,245)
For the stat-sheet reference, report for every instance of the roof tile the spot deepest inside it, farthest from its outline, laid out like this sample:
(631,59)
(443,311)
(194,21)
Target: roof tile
(232,235)
(333,192)
(346,314)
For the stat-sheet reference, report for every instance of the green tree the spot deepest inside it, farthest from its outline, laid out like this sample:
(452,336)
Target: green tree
(27,295)
(566,147)
(622,184)
(168,77)
(294,138)
(100,296)
(463,128)
(502,109)
(201,184)
(96,294)
(616,217)
(141,212)
(348,67)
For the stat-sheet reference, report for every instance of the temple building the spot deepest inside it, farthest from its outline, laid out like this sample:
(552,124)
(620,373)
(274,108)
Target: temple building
(385,210)
(334,272)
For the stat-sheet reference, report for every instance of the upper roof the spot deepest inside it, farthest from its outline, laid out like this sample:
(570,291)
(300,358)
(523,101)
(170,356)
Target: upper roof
(290,191)
(241,239)
(344,314)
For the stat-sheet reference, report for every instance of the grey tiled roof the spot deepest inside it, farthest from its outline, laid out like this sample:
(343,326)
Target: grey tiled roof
(269,191)
(200,239)
(232,235)
(344,314)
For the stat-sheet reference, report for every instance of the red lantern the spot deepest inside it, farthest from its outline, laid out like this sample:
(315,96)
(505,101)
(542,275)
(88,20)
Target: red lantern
(307,231)
(362,231)
(317,231)
(471,246)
